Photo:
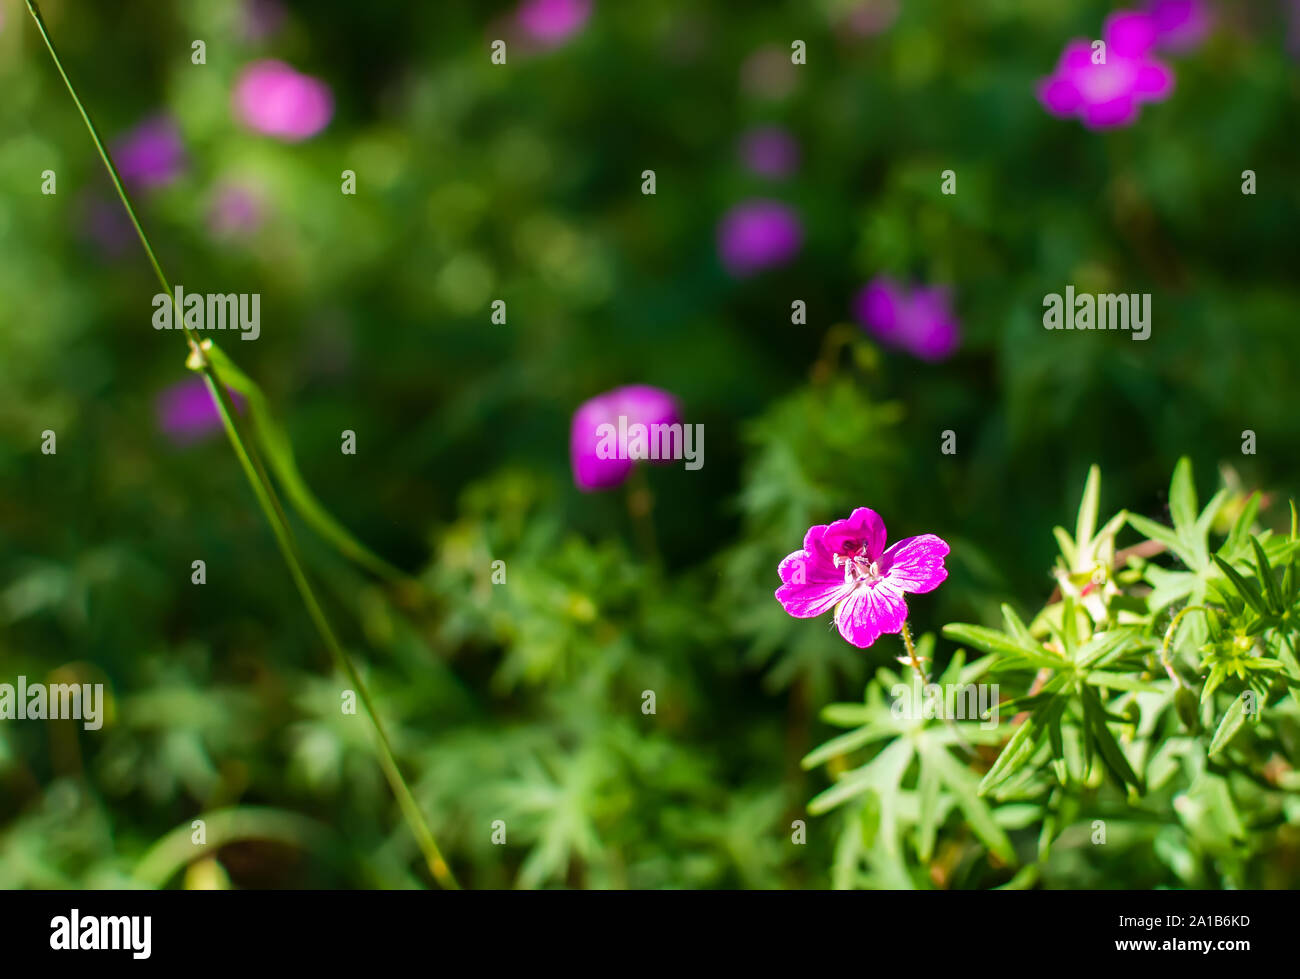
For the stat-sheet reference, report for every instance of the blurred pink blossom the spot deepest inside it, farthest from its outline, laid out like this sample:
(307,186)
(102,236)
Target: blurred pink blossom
(1181,25)
(758,234)
(770,151)
(552,22)
(151,154)
(1110,93)
(272,98)
(638,404)
(186,413)
(919,320)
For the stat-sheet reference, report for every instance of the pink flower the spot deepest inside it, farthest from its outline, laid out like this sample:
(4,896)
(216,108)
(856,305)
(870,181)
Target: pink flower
(845,566)
(870,17)
(920,321)
(187,414)
(151,154)
(595,466)
(758,234)
(1109,94)
(235,211)
(552,22)
(273,98)
(1180,24)
(770,151)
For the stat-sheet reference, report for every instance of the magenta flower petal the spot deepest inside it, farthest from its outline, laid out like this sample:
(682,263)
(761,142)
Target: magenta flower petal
(151,154)
(758,234)
(770,151)
(845,565)
(552,22)
(1104,115)
(272,98)
(810,585)
(931,328)
(880,307)
(1059,96)
(920,322)
(640,404)
(1181,25)
(1108,94)
(916,563)
(1129,34)
(186,412)
(864,531)
(1154,81)
(869,612)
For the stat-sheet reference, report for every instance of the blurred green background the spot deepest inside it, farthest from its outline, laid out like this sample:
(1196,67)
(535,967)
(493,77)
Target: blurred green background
(522,182)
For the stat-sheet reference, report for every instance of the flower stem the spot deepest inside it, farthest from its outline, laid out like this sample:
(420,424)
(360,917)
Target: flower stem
(912,659)
(251,462)
(1169,638)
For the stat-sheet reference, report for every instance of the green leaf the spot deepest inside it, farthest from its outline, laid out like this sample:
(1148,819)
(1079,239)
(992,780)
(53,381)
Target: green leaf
(1020,749)
(1111,753)
(844,744)
(1240,533)
(1182,497)
(961,781)
(1065,544)
(1086,524)
(992,641)
(1229,726)
(1122,681)
(1265,571)
(1157,532)
(274,441)
(927,826)
(1249,593)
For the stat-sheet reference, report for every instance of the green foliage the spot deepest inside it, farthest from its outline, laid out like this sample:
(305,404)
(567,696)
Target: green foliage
(1154,690)
(1118,706)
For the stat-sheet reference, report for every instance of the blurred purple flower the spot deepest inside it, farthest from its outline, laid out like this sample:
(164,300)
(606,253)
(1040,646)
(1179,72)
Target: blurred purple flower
(1109,94)
(186,413)
(639,404)
(552,22)
(106,225)
(262,19)
(770,151)
(235,211)
(758,234)
(919,321)
(1181,25)
(870,17)
(272,98)
(151,154)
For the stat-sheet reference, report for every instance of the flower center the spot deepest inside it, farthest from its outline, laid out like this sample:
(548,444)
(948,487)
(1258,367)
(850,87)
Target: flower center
(1101,83)
(858,568)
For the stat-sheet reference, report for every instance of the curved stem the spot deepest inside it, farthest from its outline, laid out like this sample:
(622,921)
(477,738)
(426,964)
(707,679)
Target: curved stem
(1169,638)
(251,462)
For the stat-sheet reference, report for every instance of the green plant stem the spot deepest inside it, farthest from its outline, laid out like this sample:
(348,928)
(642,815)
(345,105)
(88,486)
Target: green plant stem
(912,659)
(251,462)
(1169,638)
